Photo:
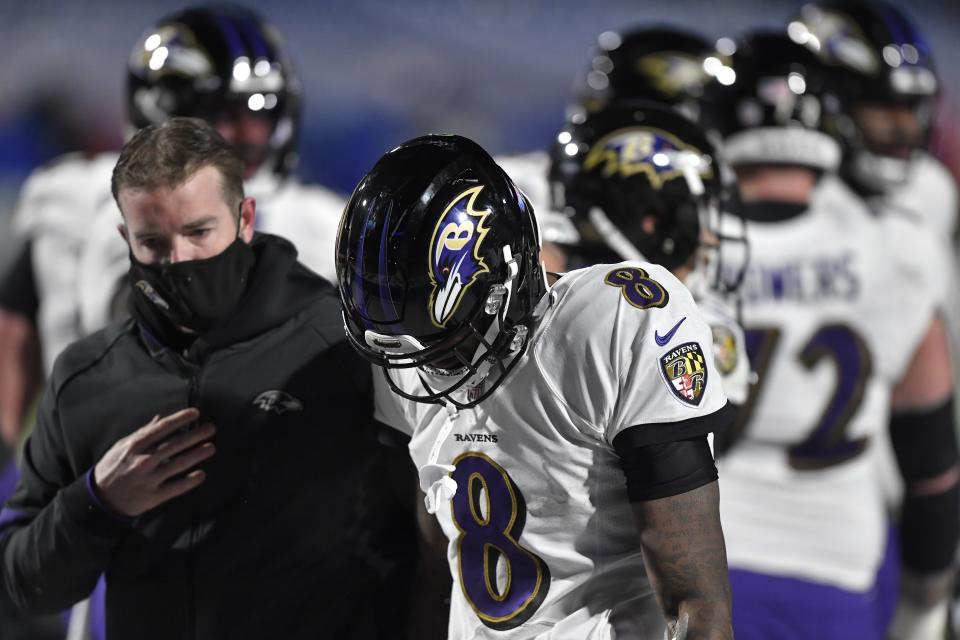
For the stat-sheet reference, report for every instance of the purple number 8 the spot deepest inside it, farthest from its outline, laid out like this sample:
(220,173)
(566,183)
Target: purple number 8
(490,512)
(638,287)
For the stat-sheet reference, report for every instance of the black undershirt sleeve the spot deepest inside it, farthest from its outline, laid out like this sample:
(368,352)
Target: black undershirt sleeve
(18,289)
(658,467)
(661,432)
(925,443)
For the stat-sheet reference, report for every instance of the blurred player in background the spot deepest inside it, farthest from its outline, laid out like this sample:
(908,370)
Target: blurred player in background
(222,64)
(254,101)
(225,65)
(835,334)
(560,432)
(885,87)
(629,175)
(661,64)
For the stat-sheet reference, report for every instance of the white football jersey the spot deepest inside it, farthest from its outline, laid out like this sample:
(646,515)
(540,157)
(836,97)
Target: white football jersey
(543,542)
(931,195)
(54,210)
(832,315)
(529,172)
(929,199)
(930,192)
(306,215)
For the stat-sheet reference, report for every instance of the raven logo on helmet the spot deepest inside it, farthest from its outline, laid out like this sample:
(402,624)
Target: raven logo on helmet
(834,34)
(672,72)
(455,260)
(171,49)
(644,150)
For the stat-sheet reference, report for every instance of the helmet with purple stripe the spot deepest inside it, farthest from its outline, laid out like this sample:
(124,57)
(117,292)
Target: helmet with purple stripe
(438,266)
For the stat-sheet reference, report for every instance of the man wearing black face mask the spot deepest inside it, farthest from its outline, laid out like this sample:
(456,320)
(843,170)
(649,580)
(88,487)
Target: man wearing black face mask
(214,455)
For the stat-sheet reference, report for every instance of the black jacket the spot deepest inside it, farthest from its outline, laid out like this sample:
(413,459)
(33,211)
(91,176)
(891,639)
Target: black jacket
(293,534)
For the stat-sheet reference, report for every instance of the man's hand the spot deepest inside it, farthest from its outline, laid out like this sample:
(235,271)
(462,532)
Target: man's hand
(138,472)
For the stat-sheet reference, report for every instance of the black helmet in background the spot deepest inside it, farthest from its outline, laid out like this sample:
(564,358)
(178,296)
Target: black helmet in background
(663,64)
(772,111)
(883,76)
(642,182)
(226,65)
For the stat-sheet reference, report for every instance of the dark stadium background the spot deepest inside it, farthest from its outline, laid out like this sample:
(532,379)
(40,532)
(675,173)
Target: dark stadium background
(375,72)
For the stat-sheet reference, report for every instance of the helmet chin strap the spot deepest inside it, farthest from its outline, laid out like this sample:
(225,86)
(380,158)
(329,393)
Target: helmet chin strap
(435,480)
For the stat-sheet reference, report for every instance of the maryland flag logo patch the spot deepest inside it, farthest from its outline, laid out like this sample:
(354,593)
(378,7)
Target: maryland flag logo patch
(685,372)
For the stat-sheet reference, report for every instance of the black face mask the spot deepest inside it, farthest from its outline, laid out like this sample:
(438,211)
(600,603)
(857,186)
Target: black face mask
(196,295)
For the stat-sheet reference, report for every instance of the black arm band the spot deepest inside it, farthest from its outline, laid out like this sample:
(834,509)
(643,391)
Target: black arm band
(724,439)
(925,442)
(668,469)
(929,530)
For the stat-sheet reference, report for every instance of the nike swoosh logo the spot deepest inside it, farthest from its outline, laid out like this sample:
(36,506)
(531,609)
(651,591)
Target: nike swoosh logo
(666,338)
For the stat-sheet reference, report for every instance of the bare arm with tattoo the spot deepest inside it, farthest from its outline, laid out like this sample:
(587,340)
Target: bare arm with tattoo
(686,560)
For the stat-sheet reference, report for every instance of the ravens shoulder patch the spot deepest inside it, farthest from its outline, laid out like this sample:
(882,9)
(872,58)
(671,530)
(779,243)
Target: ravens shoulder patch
(685,371)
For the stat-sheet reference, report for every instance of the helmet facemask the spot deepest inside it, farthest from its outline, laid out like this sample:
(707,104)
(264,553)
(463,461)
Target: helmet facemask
(477,357)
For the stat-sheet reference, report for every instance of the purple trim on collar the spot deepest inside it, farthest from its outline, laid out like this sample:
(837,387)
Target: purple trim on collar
(8,481)
(153,343)
(92,490)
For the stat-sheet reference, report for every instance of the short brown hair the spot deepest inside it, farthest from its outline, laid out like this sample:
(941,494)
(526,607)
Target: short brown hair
(169,154)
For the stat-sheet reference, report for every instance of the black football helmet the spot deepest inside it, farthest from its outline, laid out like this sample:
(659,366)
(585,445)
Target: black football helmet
(773,110)
(876,58)
(663,64)
(642,182)
(213,62)
(438,266)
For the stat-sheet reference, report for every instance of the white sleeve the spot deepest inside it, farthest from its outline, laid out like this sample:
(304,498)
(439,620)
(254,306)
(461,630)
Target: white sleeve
(308,216)
(61,196)
(102,270)
(529,172)
(919,283)
(628,366)
(931,194)
(388,407)
(729,348)
(56,206)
